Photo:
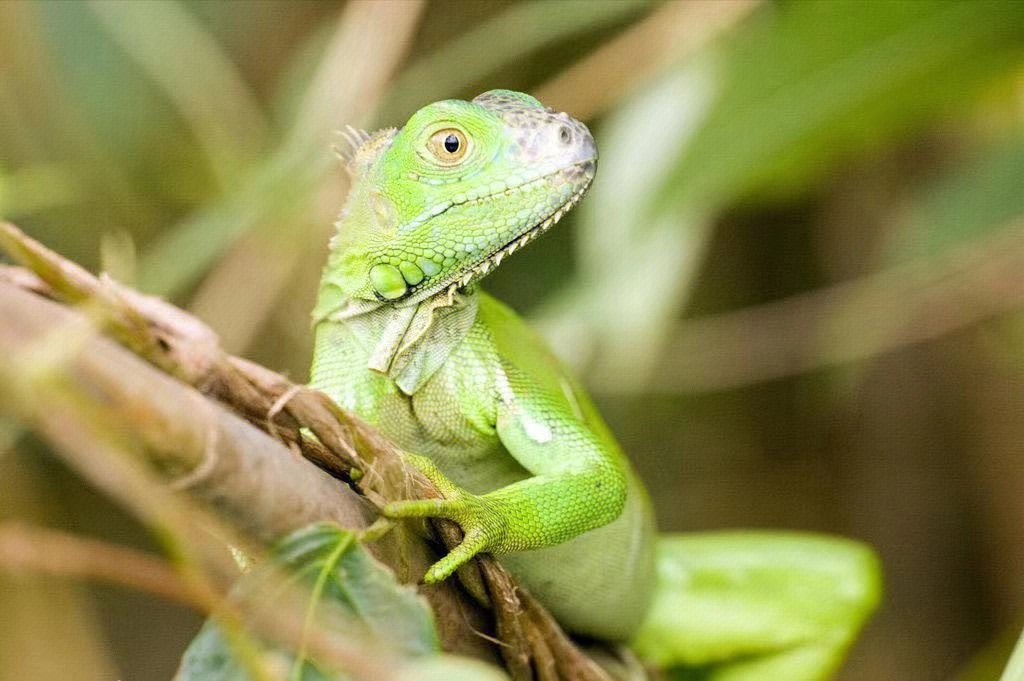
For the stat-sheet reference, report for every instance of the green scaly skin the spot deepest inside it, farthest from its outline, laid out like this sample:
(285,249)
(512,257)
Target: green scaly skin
(405,338)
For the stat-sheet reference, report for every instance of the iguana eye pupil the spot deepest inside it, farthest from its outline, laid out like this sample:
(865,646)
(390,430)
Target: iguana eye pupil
(448,146)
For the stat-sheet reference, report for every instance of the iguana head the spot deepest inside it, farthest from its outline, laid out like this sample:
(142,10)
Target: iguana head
(438,204)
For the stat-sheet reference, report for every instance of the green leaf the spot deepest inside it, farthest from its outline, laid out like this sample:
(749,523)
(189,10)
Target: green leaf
(214,656)
(758,605)
(362,587)
(342,577)
(1015,668)
(813,82)
(450,668)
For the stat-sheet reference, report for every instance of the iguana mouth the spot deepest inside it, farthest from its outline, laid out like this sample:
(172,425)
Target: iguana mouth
(488,262)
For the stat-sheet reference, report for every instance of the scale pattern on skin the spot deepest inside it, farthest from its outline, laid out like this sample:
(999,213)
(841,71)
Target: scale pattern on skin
(527,467)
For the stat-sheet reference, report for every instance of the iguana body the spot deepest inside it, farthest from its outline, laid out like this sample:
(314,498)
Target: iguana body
(461,380)
(405,338)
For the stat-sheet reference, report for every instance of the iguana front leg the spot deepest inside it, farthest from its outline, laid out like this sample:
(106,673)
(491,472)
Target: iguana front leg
(576,485)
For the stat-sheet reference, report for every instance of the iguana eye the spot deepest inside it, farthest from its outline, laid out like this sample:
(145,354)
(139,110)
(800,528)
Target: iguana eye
(448,145)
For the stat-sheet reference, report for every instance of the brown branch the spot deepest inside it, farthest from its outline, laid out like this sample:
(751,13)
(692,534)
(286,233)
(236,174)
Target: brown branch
(256,480)
(44,394)
(344,445)
(72,379)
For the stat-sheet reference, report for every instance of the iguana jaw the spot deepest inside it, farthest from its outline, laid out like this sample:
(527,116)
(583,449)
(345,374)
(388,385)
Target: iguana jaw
(473,271)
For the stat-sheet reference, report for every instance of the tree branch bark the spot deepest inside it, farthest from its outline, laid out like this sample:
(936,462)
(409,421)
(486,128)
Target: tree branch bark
(256,479)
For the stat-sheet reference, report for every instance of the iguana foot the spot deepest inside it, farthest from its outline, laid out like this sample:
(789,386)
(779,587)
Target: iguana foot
(481,525)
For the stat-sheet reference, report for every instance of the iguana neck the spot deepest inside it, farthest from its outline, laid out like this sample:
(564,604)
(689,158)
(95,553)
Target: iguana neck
(408,342)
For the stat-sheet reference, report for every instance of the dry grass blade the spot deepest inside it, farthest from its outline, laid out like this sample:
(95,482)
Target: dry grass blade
(671,32)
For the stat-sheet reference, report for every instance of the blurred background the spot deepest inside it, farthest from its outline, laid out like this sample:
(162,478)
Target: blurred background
(795,291)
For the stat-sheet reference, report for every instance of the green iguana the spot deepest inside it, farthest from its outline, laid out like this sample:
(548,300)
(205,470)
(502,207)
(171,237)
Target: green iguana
(406,339)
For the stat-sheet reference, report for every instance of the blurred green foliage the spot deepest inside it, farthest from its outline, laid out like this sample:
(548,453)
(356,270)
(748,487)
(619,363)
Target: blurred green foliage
(348,590)
(794,147)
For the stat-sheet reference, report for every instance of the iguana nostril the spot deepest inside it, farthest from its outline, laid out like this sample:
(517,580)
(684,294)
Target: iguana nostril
(565,134)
